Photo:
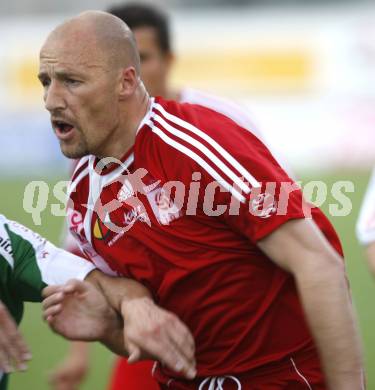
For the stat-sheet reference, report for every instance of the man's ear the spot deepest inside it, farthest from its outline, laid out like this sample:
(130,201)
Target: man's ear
(128,82)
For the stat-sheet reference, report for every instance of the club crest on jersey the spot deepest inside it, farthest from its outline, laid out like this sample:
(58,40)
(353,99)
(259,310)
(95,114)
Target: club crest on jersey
(101,230)
(164,208)
(264,205)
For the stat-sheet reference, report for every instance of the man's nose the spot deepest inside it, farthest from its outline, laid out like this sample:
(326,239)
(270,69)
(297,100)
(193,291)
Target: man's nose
(54,97)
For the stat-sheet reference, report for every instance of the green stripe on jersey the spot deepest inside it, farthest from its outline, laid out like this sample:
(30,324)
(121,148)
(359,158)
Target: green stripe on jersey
(3,381)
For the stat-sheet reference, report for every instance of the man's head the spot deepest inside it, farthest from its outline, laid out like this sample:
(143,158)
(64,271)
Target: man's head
(150,27)
(89,68)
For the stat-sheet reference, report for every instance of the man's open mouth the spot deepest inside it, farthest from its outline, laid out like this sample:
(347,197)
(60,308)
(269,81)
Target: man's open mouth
(62,129)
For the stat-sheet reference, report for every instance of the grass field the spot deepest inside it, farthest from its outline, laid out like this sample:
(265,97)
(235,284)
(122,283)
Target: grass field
(48,348)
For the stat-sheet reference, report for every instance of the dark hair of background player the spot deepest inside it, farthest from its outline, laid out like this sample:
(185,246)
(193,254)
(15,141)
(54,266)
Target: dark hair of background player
(144,15)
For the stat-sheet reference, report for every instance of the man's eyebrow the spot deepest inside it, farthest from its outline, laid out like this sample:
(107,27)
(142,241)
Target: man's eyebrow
(62,74)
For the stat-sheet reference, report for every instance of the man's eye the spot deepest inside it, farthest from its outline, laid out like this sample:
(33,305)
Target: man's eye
(45,82)
(72,82)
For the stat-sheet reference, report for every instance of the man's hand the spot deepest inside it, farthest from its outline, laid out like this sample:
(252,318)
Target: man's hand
(14,352)
(78,311)
(151,332)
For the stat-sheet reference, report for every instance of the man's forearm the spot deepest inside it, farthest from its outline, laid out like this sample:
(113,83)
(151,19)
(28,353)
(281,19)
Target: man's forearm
(114,339)
(326,301)
(117,290)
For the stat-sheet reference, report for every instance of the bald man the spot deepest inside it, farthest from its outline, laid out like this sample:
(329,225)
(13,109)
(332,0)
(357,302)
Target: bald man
(237,259)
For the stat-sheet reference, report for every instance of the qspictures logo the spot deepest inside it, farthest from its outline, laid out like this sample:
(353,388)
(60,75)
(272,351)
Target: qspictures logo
(170,200)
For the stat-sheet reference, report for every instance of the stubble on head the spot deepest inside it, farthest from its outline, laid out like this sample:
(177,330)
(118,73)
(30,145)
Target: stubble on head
(102,46)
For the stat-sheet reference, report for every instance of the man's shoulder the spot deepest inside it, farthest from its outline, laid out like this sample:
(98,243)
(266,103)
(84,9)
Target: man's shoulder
(194,126)
(191,118)
(182,138)
(189,111)
(229,108)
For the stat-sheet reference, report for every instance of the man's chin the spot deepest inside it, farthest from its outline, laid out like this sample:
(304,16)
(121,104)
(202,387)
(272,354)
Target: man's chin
(73,153)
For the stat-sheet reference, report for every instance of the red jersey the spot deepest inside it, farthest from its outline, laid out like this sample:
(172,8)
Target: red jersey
(188,230)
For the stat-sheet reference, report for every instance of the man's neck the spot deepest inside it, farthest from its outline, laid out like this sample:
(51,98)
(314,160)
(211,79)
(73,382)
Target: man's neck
(131,117)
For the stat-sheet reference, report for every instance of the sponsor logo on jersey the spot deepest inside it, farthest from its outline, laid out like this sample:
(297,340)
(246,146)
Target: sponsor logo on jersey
(133,184)
(6,245)
(126,191)
(136,214)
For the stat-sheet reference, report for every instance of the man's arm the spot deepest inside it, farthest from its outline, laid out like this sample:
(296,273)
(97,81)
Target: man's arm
(134,302)
(299,247)
(149,331)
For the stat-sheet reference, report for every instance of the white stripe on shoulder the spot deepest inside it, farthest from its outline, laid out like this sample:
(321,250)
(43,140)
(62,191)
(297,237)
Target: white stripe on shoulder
(81,162)
(73,184)
(206,152)
(227,156)
(200,161)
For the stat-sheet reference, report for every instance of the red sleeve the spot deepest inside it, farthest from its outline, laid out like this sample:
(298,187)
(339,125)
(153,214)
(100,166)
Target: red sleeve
(269,197)
(258,194)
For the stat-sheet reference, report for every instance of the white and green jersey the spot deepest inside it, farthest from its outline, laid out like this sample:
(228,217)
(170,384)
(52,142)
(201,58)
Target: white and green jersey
(28,263)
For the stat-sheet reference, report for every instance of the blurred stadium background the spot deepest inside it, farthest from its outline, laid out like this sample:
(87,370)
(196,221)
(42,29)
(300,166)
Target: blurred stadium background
(305,69)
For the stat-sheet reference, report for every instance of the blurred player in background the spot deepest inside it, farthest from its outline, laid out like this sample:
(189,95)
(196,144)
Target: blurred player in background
(366,224)
(151,29)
